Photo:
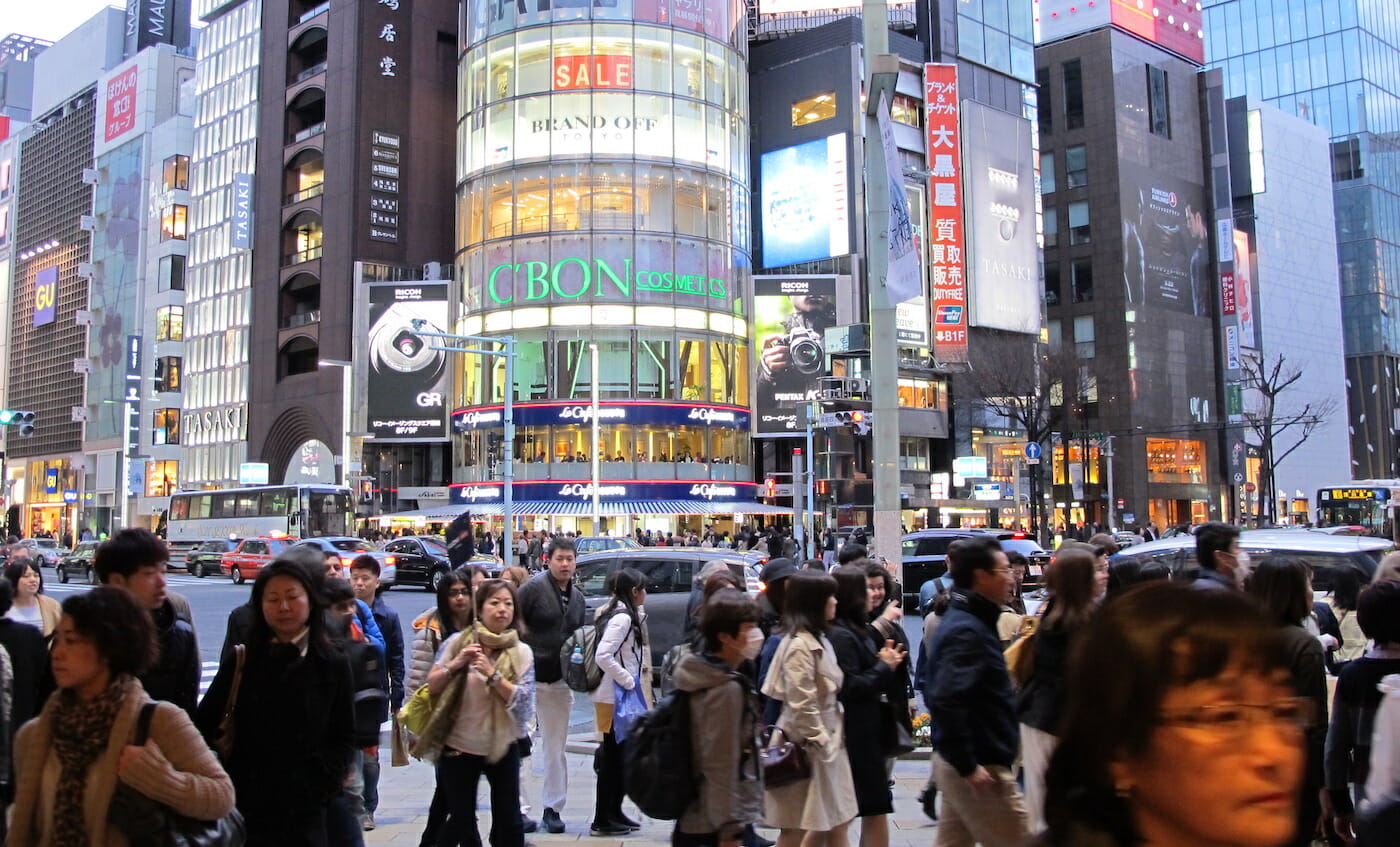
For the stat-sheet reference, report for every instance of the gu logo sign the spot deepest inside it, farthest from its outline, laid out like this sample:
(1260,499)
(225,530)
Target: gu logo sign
(121,104)
(46,296)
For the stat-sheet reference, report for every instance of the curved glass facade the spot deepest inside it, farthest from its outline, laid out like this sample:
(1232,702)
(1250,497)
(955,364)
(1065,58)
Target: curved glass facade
(602,158)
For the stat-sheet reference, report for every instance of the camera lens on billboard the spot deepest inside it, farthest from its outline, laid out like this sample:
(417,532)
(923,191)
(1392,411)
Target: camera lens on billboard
(805,349)
(394,348)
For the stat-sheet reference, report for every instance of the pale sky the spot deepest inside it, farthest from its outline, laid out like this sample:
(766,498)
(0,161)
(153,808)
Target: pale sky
(47,19)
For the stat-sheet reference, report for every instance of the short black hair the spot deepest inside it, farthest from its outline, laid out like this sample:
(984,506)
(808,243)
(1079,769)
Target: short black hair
(15,570)
(560,542)
(850,552)
(314,584)
(966,556)
(338,590)
(127,552)
(121,631)
(1212,537)
(365,562)
(1378,612)
(725,613)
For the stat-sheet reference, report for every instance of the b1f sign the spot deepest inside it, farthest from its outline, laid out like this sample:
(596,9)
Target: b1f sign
(120,116)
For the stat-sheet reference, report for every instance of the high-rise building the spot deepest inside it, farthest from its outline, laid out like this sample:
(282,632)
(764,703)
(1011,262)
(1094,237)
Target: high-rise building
(1334,64)
(217,274)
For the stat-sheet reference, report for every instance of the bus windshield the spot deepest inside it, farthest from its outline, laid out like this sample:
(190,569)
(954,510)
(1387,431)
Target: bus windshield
(1365,503)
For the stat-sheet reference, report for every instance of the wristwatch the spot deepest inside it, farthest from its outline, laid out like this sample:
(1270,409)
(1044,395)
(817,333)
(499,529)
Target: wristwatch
(494,678)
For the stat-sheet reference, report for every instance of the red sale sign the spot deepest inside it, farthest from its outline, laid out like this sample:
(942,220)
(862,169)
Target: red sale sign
(606,71)
(121,104)
(945,239)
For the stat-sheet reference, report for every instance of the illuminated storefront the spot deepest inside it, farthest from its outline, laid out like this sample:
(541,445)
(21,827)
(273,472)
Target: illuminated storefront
(603,170)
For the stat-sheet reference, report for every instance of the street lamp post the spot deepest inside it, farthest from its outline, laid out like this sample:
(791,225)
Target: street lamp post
(507,405)
(597,448)
(345,389)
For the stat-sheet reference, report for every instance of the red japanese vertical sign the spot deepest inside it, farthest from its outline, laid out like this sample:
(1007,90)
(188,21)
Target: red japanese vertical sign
(948,284)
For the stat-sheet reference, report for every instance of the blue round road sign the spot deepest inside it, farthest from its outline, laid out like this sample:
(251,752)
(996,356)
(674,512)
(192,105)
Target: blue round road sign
(1032,450)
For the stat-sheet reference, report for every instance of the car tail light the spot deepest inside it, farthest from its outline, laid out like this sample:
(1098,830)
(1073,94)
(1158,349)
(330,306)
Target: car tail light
(389,560)
(345,561)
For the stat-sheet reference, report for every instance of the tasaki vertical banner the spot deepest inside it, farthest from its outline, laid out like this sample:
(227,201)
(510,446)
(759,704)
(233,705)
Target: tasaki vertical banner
(241,234)
(407,379)
(947,284)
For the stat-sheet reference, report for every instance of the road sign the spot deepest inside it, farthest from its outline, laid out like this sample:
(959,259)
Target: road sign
(1249,487)
(1033,452)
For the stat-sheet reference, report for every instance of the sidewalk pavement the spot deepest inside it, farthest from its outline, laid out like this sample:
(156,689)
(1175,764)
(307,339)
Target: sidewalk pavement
(404,794)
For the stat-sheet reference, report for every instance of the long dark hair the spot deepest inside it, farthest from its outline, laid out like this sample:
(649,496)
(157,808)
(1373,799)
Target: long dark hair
(875,570)
(260,634)
(447,623)
(1152,638)
(852,595)
(1280,584)
(621,583)
(804,607)
(1070,580)
(1346,587)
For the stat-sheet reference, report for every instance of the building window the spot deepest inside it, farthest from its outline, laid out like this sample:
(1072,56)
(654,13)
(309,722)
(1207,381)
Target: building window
(1084,336)
(168,372)
(1082,281)
(1074,95)
(1052,283)
(1175,460)
(172,273)
(1042,83)
(913,454)
(1052,227)
(1079,222)
(1047,173)
(173,222)
(907,110)
(814,109)
(1054,337)
(1346,160)
(165,426)
(170,323)
(1256,152)
(162,478)
(922,394)
(1076,167)
(1159,118)
(177,173)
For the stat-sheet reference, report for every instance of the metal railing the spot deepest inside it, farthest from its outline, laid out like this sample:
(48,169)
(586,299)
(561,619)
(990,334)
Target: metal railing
(310,132)
(303,256)
(318,68)
(311,13)
(306,194)
(302,319)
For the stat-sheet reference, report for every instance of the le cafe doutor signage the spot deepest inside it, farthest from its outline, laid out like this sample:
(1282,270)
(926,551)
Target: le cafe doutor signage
(582,491)
(633,413)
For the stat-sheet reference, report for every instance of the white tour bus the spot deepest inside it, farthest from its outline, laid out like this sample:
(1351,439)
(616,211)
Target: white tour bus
(299,511)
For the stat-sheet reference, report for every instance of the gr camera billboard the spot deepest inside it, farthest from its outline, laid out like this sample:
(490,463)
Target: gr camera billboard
(407,380)
(805,199)
(791,317)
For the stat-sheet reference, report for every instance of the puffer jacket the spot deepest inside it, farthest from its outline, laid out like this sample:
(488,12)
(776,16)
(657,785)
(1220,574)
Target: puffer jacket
(724,741)
(427,640)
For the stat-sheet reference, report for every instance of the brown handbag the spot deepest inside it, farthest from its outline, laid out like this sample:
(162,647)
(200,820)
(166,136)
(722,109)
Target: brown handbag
(783,761)
(223,745)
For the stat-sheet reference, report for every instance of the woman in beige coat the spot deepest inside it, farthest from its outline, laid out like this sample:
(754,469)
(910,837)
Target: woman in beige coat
(72,759)
(805,678)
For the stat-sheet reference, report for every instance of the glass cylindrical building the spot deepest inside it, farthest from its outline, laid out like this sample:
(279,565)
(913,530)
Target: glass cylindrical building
(603,198)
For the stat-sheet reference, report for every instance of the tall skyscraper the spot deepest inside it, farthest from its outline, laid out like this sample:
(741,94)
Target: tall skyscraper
(1335,64)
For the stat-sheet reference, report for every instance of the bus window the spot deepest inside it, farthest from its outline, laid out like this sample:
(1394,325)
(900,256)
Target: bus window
(277,502)
(200,505)
(179,508)
(247,504)
(224,505)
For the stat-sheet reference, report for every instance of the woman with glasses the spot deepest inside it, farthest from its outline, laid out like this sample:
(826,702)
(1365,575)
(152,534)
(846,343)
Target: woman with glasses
(1283,587)
(1181,727)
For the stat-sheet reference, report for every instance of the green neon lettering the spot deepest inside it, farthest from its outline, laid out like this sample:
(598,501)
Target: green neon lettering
(559,289)
(491,283)
(536,286)
(718,288)
(623,285)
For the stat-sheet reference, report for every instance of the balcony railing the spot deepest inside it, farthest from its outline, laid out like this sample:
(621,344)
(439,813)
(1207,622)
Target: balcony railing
(317,68)
(311,13)
(302,319)
(310,132)
(306,194)
(303,256)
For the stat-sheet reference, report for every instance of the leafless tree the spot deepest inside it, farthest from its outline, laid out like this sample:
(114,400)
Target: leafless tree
(1275,418)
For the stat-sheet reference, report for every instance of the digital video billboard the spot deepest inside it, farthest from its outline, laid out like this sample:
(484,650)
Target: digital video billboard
(1166,254)
(805,202)
(1004,274)
(791,316)
(407,380)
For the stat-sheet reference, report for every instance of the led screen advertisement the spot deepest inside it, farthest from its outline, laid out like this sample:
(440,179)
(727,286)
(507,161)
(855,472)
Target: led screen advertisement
(791,316)
(805,202)
(1166,257)
(1243,295)
(1003,271)
(407,380)
(1175,26)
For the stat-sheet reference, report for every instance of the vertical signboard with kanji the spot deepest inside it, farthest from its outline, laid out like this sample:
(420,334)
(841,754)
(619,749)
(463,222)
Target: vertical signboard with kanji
(387,30)
(947,284)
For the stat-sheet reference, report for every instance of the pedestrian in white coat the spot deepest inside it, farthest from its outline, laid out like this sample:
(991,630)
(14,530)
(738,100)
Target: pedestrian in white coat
(624,657)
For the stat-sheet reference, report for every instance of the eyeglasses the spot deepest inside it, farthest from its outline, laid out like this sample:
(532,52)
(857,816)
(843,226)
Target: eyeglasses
(459,592)
(1233,720)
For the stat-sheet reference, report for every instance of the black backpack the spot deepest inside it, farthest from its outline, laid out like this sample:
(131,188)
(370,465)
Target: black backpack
(659,774)
(371,702)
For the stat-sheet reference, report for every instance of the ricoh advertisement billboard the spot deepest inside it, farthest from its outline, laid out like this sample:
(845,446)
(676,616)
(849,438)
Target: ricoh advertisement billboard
(791,317)
(1004,272)
(407,380)
(1166,254)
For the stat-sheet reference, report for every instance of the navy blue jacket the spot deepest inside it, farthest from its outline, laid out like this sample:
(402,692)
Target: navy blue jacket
(967,689)
(392,630)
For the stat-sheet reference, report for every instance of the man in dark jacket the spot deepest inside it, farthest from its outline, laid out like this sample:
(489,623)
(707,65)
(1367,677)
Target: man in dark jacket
(969,698)
(135,559)
(364,578)
(551,607)
(1223,563)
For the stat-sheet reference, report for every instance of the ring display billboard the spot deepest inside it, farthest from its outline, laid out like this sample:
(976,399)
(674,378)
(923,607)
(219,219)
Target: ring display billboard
(791,316)
(1004,273)
(407,380)
(805,202)
(1166,255)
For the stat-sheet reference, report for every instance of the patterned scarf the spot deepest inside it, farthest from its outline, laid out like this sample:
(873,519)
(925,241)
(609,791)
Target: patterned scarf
(501,726)
(83,732)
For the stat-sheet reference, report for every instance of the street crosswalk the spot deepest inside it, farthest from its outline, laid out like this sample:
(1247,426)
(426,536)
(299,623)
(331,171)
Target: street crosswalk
(172,581)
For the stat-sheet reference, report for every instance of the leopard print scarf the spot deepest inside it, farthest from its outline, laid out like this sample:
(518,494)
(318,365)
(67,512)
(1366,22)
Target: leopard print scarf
(84,730)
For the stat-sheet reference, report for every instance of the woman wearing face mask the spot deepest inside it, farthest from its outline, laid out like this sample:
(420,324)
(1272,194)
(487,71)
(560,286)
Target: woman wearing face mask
(723,724)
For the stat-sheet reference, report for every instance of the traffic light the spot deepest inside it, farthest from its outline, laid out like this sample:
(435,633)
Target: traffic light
(25,420)
(770,487)
(856,420)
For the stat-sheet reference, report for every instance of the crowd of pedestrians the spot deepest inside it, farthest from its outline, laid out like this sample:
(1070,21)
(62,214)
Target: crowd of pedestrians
(1126,709)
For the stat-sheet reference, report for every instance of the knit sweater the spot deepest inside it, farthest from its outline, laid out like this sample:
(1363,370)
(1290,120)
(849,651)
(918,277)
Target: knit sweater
(175,769)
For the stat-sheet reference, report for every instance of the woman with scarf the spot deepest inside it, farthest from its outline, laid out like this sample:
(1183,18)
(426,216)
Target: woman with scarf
(74,758)
(484,685)
(292,722)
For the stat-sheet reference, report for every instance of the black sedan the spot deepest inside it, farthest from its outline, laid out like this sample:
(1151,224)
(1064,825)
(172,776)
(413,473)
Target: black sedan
(422,560)
(78,563)
(205,556)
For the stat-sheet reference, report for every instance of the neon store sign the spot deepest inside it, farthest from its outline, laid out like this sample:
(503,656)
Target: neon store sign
(571,279)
